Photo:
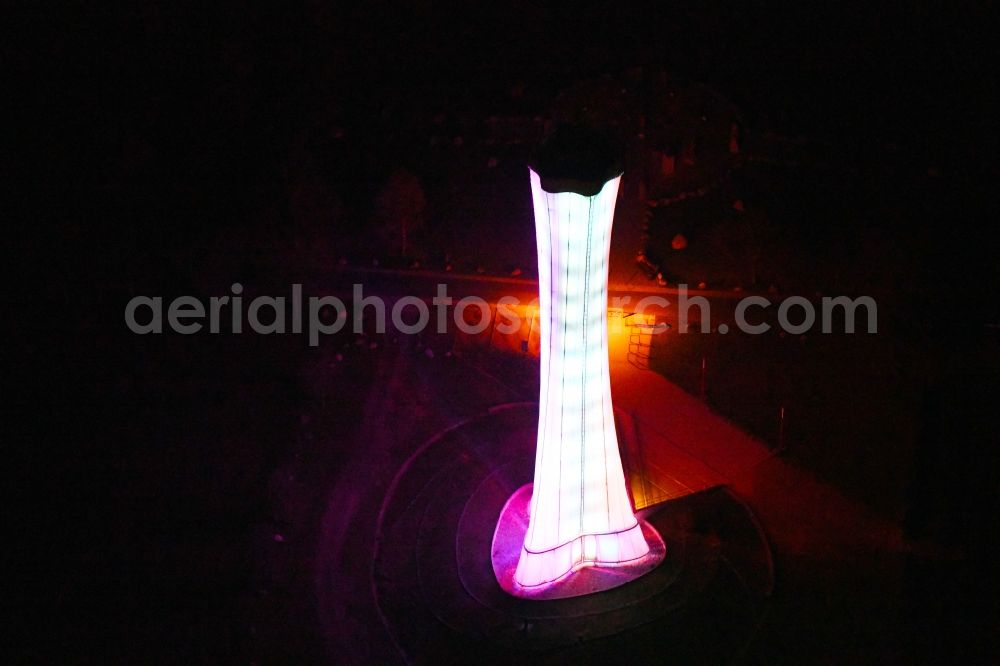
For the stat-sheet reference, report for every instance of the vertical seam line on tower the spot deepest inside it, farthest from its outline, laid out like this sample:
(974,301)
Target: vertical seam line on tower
(583,380)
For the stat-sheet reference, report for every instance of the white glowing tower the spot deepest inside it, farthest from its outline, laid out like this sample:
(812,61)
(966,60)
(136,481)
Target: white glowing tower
(580,514)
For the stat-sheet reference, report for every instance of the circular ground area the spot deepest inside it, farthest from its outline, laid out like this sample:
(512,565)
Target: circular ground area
(433,579)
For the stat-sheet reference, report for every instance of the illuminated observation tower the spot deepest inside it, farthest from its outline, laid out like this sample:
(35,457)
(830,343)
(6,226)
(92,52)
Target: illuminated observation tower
(580,513)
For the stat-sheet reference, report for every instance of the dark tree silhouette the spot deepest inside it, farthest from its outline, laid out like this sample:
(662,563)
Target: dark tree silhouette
(399,210)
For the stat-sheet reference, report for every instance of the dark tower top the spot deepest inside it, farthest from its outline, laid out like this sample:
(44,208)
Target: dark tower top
(577,159)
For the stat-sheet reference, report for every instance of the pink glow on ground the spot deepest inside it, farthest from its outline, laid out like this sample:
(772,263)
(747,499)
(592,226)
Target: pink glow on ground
(585,577)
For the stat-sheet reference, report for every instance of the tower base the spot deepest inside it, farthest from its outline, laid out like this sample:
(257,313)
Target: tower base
(582,566)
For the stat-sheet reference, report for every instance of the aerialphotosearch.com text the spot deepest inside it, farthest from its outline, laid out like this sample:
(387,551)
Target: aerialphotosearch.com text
(317,316)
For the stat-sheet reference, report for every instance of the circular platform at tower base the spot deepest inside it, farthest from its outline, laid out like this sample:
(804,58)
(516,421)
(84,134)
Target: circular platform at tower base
(586,578)
(434,584)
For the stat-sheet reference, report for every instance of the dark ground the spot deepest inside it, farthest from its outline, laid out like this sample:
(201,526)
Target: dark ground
(160,150)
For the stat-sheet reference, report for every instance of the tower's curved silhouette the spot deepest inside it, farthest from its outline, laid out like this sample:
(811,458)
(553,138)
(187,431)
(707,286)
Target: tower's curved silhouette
(580,514)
